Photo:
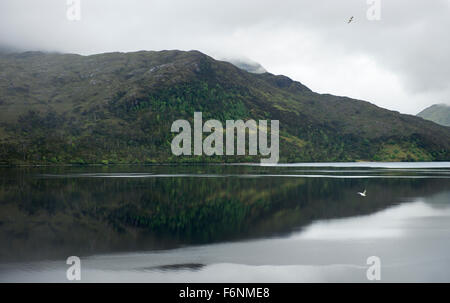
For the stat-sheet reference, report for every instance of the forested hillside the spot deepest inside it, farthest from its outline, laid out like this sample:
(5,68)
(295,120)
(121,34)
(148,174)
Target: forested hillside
(118,108)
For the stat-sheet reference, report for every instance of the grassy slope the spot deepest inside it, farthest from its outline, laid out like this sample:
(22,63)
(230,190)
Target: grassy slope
(118,108)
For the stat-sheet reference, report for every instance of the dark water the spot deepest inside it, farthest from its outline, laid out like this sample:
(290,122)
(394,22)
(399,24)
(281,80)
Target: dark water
(226,223)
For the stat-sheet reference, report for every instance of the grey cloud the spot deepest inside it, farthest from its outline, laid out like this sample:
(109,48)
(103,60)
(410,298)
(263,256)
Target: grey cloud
(410,41)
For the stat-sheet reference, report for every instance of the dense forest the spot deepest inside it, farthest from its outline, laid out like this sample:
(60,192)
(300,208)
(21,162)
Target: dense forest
(119,107)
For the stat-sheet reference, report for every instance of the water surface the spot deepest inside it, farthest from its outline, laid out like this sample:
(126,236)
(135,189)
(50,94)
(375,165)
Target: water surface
(226,223)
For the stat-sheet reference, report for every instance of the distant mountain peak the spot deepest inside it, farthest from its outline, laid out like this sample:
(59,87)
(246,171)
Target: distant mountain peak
(438,113)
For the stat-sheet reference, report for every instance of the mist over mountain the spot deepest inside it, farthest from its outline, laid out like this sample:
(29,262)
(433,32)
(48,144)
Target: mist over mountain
(119,107)
(439,113)
(247,65)
(7,49)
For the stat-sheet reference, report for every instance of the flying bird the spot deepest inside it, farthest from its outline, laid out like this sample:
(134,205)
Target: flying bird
(350,20)
(363,194)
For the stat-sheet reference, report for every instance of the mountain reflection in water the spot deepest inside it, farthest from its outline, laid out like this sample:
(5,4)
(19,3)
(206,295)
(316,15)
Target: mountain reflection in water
(172,219)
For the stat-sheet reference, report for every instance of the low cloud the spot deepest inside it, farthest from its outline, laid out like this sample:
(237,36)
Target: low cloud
(400,62)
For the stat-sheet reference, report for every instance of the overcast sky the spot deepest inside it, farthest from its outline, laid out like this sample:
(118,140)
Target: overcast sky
(400,62)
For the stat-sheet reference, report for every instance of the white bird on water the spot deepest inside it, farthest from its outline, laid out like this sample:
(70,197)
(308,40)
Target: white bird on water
(363,194)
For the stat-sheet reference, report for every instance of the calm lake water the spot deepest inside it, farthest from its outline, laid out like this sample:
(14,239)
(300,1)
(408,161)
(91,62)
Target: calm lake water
(226,223)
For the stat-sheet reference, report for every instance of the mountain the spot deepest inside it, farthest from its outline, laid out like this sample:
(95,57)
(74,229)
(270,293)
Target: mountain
(438,113)
(119,107)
